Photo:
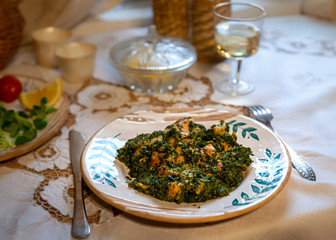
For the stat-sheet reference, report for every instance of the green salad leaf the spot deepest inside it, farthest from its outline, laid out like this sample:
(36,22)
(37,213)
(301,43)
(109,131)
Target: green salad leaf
(18,127)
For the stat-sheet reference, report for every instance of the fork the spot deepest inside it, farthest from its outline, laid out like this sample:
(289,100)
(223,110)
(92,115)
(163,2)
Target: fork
(264,115)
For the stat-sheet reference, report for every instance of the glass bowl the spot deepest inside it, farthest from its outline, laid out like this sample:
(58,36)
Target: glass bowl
(152,64)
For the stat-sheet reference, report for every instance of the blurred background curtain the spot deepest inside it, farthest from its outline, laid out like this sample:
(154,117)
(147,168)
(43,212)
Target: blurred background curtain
(59,13)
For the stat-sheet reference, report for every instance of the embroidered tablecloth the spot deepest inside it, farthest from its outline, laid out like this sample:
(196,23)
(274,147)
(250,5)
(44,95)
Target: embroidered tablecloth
(293,74)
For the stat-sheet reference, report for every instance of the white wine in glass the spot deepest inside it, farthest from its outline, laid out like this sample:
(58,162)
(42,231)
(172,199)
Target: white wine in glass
(236,40)
(237,35)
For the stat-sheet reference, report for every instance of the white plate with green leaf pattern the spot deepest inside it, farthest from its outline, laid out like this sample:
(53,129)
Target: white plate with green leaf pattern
(106,176)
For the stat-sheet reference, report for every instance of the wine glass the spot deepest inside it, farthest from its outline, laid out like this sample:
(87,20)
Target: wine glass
(238,29)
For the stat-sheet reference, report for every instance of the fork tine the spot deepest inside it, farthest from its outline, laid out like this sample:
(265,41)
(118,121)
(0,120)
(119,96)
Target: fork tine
(267,115)
(261,110)
(267,111)
(262,114)
(258,111)
(254,111)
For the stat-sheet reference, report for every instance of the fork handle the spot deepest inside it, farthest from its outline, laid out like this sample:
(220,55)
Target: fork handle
(303,168)
(301,165)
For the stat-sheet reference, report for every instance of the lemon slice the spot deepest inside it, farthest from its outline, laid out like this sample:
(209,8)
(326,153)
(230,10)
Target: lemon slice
(52,91)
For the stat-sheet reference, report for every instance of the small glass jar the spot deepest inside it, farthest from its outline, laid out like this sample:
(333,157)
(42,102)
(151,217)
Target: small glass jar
(152,64)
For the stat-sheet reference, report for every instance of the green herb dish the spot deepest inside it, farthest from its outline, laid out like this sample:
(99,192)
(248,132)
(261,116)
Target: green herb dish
(18,127)
(117,177)
(186,162)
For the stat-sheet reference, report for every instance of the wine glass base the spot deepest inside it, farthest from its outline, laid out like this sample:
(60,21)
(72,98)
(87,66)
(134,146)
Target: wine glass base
(241,88)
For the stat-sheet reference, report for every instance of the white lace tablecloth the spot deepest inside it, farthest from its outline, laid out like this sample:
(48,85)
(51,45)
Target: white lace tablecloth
(293,73)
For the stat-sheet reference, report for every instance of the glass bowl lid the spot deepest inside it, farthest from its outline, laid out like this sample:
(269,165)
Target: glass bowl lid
(152,53)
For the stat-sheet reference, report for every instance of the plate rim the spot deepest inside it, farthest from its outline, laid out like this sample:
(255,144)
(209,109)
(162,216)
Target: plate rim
(187,219)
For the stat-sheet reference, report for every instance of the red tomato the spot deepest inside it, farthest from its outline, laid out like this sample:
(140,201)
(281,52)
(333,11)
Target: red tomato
(10,88)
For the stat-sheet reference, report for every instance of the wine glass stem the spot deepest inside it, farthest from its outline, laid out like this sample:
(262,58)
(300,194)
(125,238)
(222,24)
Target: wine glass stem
(236,64)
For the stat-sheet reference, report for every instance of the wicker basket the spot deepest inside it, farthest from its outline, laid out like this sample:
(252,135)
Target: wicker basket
(11,28)
(171,18)
(190,20)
